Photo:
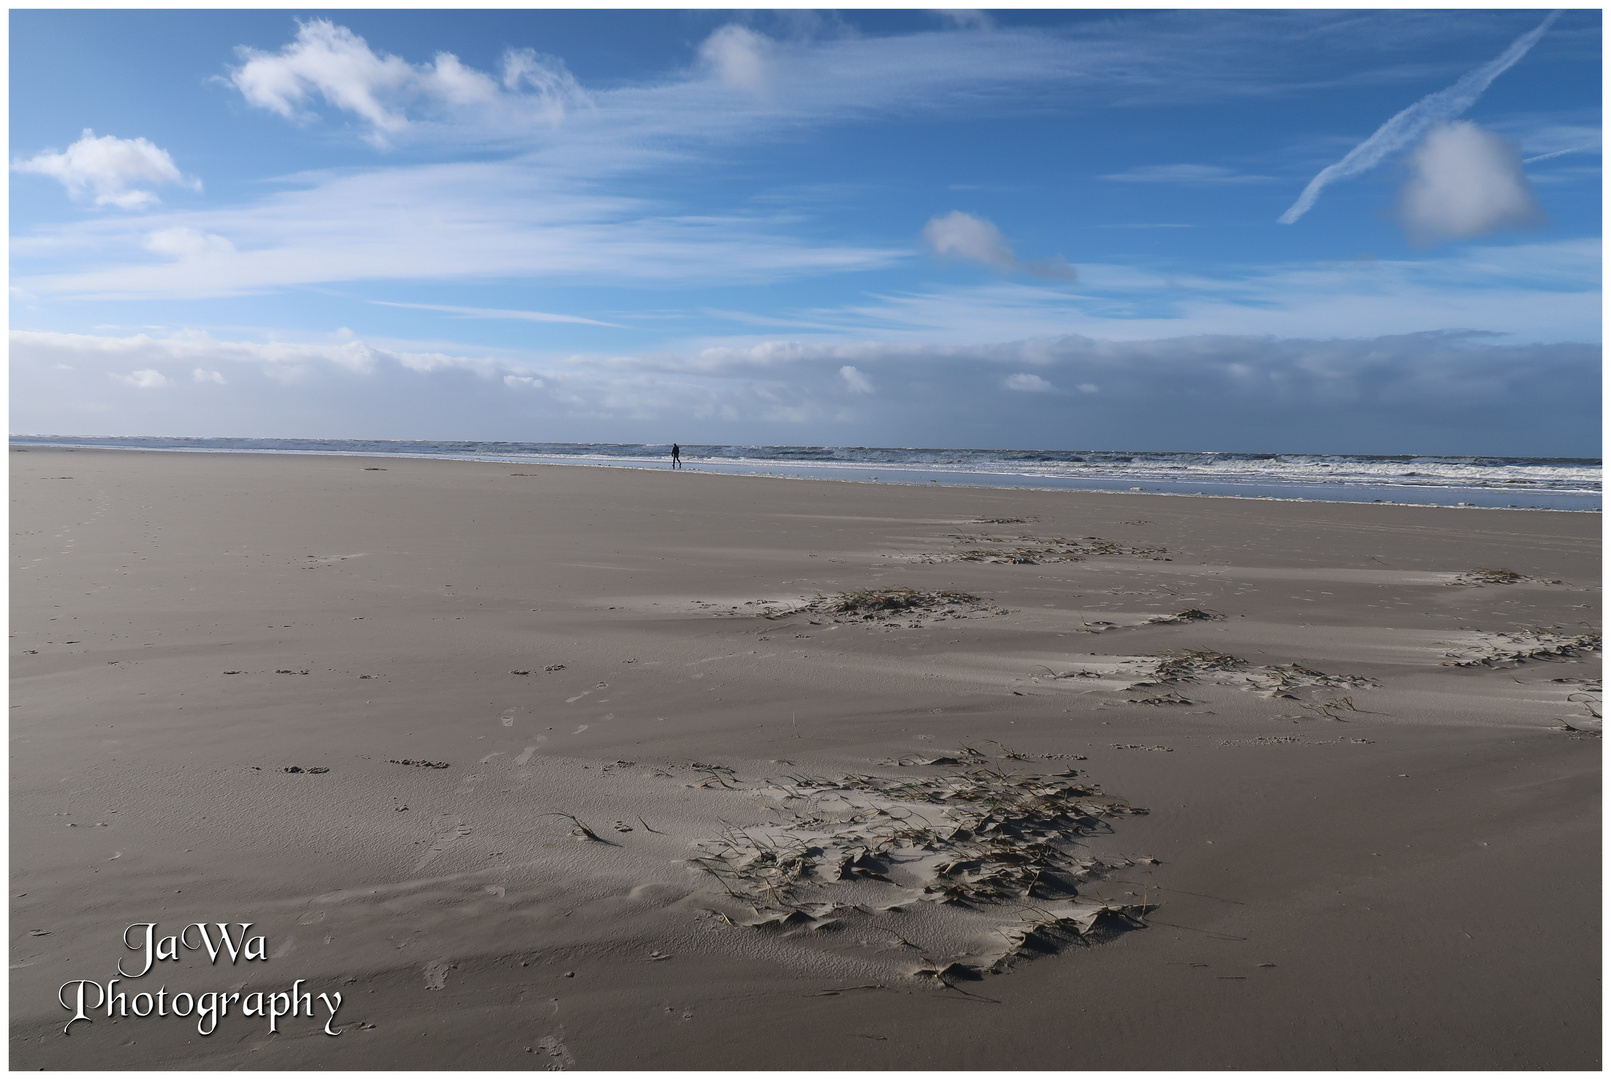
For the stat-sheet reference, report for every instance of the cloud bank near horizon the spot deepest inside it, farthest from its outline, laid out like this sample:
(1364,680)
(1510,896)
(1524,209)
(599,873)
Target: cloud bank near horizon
(1403,393)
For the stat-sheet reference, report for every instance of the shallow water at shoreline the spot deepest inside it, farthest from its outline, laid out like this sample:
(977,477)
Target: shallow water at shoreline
(1519,483)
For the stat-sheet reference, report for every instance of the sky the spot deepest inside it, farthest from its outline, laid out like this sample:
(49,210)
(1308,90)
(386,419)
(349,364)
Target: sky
(1278,231)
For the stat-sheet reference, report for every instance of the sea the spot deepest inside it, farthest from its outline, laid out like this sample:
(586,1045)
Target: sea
(1477,481)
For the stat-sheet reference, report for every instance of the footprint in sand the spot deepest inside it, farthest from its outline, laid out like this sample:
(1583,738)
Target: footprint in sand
(489,757)
(436,974)
(525,755)
(579,729)
(508,717)
(578,697)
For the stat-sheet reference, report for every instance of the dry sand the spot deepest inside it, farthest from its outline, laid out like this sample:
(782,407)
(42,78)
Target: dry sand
(1373,779)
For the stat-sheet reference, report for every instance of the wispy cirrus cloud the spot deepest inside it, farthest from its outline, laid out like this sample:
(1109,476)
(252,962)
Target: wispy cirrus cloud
(1532,292)
(475,219)
(496,313)
(1187,174)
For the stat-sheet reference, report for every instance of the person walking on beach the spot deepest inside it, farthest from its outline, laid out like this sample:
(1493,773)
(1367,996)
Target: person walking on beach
(676,456)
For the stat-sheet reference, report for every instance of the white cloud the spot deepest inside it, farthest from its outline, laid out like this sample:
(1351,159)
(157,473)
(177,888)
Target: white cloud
(202,375)
(1465,182)
(187,243)
(331,63)
(107,168)
(1088,388)
(522,382)
(147,379)
(855,380)
(740,58)
(1029,384)
(963,236)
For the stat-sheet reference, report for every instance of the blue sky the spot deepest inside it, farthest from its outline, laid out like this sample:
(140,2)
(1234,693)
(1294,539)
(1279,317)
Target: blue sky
(1010,229)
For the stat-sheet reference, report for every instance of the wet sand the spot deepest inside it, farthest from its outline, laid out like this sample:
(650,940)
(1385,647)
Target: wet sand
(1371,776)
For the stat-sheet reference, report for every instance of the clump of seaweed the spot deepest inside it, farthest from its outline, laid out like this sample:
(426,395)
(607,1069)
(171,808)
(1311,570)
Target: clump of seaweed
(876,603)
(1189,615)
(975,837)
(1277,680)
(1026,549)
(1532,643)
(1484,575)
(1188,665)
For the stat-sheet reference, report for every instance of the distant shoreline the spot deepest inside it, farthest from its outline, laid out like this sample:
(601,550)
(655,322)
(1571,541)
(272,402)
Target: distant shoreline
(1008,471)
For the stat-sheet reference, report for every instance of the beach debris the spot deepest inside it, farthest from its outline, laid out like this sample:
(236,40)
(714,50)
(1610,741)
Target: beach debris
(579,830)
(1189,615)
(420,764)
(1139,746)
(1518,647)
(1160,674)
(1498,576)
(1160,699)
(316,769)
(1030,550)
(1004,847)
(1277,680)
(889,605)
(288,671)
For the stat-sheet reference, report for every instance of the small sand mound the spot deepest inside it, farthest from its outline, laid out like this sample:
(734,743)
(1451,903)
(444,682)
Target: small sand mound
(1158,675)
(1533,643)
(1001,850)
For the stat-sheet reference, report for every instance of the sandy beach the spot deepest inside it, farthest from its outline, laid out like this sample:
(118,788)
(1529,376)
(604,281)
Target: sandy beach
(561,767)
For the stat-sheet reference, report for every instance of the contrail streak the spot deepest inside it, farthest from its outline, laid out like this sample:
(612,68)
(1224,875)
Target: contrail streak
(1409,125)
(1558,153)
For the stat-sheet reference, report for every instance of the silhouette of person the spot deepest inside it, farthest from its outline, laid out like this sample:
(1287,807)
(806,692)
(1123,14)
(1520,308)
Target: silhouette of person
(676,456)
